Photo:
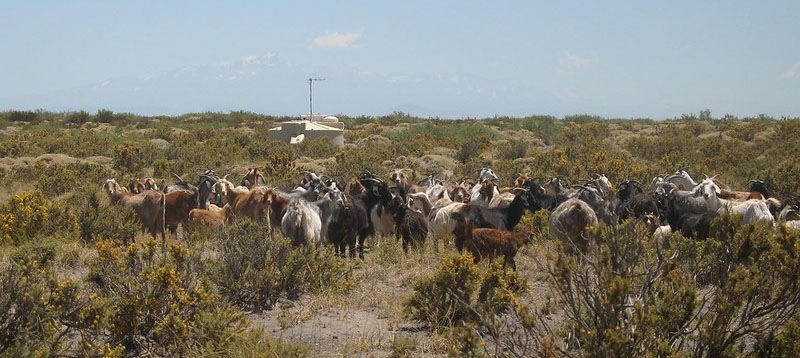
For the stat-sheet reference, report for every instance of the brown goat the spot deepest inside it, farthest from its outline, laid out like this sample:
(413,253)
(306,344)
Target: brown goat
(353,187)
(251,204)
(208,218)
(277,207)
(136,186)
(148,205)
(178,205)
(490,243)
(252,177)
(739,195)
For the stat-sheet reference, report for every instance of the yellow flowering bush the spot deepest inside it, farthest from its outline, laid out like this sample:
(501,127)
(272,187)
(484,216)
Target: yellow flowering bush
(460,289)
(160,302)
(30,215)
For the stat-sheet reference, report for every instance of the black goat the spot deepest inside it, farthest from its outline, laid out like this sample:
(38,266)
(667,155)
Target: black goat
(410,224)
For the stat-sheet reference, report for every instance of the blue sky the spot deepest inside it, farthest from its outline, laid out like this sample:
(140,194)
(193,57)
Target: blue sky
(443,58)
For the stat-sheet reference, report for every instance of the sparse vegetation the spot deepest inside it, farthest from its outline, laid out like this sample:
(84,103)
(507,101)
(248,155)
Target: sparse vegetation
(79,278)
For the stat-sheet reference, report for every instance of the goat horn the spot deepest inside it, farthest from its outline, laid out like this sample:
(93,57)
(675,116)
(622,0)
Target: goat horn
(635,181)
(180,180)
(226,176)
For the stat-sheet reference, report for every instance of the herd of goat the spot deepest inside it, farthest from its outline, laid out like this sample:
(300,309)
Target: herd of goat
(479,213)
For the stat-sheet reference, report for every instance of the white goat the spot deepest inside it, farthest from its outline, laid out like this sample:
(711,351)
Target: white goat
(302,223)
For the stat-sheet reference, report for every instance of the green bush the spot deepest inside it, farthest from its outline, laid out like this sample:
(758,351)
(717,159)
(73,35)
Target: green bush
(57,179)
(513,149)
(321,147)
(160,302)
(472,148)
(99,221)
(256,269)
(132,157)
(42,315)
(460,291)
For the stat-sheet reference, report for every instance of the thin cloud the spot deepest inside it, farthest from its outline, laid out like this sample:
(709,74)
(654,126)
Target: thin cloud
(337,40)
(569,63)
(792,73)
(248,59)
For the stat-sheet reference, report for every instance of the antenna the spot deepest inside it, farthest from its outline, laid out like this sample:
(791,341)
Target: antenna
(310,107)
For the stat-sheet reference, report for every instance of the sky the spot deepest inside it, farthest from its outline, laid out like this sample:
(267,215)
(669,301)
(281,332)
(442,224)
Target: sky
(447,59)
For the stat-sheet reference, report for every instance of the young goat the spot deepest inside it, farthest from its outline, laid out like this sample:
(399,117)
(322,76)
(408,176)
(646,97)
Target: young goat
(490,243)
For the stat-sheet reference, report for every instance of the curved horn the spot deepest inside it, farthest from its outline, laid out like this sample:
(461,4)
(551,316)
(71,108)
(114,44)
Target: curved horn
(685,167)
(264,180)
(636,182)
(180,180)
(226,176)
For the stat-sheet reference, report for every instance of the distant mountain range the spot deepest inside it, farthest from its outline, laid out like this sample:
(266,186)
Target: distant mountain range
(273,85)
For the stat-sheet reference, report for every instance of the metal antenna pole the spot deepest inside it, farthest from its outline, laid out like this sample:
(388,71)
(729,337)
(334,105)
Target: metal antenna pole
(310,106)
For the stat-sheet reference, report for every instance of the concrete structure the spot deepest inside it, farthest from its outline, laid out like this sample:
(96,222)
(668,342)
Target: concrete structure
(309,127)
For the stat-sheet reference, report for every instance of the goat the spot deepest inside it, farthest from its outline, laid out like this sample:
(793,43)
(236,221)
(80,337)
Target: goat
(490,243)
(486,193)
(148,205)
(398,176)
(790,216)
(569,220)
(136,186)
(349,224)
(784,199)
(687,212)
(150,184)
(178,204)
(497,218)
(375,200)
(209,218)
(353,187)
(484,175)
(251,178)
(251,204)
(420,202)
(628,189)
(410,224)
(302,223)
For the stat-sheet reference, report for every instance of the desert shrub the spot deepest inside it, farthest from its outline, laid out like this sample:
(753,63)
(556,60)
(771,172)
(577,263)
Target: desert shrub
(22,116)
(78,144)
(321,147)
(43,315)
(547,128)
(132,157)
(472,147)
(30,215)
(160,302)
(513,149)
(748,130)
(261,149)
(98,221)
(57,179)
(459,291)
(104,116)
(450,133)
(12,147)
(255,343)
(281,171)
(783,177)
(506,170)
(472,167)
(417,145)
(352,162)
(256,269)
(79,117)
